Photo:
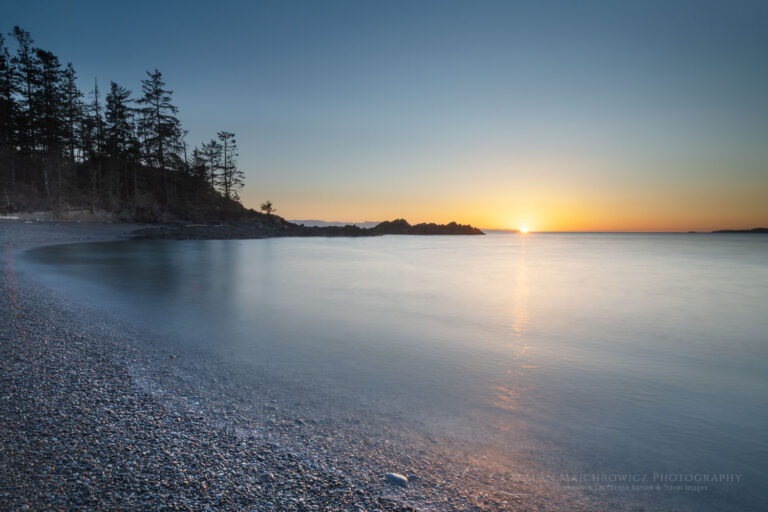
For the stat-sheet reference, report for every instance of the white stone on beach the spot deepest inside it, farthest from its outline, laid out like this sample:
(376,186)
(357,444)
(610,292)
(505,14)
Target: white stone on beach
(397,479)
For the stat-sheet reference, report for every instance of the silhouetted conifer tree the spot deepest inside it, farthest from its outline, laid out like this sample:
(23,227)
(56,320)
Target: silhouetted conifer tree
(230,177)
(212,154)
(118,126)
(26,78)
(198,166)
(48,101)
(119,133)
(162,130)
(73,112)
(7,115)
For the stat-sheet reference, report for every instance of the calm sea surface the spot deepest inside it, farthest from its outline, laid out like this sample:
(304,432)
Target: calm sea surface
(620,359)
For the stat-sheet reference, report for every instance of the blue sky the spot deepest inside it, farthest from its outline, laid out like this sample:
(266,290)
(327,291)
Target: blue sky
(562,115)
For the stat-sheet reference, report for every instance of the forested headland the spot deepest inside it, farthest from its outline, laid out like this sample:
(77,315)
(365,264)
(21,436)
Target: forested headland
(121,155)
(106,149)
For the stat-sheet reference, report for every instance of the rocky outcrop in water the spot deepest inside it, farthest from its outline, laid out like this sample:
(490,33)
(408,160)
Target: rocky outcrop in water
(402,227)
(268,226)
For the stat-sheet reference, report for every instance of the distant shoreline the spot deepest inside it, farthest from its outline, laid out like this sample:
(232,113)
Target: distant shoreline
(276,227)
(751,231)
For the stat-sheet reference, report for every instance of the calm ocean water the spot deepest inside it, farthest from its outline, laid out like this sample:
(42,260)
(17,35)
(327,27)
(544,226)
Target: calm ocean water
(618,359)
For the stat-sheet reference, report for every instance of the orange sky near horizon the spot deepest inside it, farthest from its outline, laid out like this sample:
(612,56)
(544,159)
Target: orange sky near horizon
(539,196)
(552,213)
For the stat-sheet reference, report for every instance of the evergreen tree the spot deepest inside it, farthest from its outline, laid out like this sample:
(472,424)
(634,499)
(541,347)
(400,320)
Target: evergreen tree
(7,113)
(161,128)
(212,154)
(93,141)
(198,166)
(267,208)
(73,112)
(119,125)
(25,66)
(230,177)
(49,101)
(119,133)
(50,122)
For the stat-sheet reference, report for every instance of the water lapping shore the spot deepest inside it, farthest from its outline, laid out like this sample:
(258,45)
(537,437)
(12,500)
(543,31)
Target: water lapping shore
(102,414)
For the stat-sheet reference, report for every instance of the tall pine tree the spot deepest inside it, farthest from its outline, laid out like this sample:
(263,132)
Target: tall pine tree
(119,134)
(73,113)
(49,124)
(230,178)
(212,155)
(161,128)
(7,115)
(26,75)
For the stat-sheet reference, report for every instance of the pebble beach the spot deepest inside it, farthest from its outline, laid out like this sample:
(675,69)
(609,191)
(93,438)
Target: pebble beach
(100,415)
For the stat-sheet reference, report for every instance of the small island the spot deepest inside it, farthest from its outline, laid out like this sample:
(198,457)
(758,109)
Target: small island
(752,231)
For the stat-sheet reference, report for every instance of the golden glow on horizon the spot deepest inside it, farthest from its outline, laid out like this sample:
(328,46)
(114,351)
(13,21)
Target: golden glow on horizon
(547,194)
(555,212)
(524,230)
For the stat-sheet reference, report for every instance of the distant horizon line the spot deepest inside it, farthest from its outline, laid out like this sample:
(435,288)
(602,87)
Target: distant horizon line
(587,231)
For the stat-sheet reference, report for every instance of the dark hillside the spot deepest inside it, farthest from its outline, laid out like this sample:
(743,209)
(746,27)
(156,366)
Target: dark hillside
(106,153)
(133,193)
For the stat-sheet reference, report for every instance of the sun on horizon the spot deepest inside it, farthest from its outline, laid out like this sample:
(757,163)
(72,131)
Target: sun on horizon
(524,230)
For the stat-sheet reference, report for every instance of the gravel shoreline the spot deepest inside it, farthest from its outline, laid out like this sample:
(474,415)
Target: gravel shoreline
(97,415)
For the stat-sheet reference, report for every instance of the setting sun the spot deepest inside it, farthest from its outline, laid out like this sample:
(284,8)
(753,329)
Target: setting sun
(524,230)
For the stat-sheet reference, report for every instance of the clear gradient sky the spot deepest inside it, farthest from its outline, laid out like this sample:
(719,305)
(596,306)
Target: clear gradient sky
(616,115)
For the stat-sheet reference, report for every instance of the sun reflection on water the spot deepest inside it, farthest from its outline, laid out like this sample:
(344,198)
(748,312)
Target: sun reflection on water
(506,392)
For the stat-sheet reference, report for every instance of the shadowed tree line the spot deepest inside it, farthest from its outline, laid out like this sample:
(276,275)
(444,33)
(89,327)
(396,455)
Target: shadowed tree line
(117,151)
